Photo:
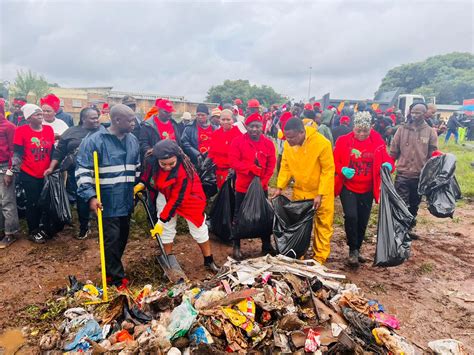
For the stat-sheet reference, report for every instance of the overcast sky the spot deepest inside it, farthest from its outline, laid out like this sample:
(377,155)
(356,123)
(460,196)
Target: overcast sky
(183,48)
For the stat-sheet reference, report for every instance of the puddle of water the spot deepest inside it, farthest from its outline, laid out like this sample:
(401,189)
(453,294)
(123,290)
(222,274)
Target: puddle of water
(10,341)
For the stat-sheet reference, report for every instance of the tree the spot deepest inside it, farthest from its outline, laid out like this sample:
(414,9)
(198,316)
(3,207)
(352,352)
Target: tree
(29,82)
(233,89)
(449,77)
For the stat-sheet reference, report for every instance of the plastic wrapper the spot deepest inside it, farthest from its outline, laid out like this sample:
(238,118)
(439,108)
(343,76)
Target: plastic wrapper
(182,319)
(256,213)
(222,211)
(292,226)
(54,200)
(206,170)
(438,183)
(394,220)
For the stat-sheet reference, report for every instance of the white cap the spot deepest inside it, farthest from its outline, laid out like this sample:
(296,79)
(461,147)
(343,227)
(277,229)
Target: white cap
(187,116)
(30,109)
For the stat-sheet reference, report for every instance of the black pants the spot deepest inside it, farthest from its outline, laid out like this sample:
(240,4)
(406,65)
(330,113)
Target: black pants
(407,188)
(83,210)
(356,209)
(239,198)
(33,187)
(116,230)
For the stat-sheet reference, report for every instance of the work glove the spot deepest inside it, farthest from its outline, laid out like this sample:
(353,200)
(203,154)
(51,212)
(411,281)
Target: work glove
(387,165)
(348,172)
(138,188)
(158,229)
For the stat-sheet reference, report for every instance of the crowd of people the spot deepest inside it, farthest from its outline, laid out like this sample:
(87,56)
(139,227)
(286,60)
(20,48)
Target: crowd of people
(320,152)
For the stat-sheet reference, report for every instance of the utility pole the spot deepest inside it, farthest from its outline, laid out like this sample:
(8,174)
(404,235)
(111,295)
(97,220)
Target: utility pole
(309,84)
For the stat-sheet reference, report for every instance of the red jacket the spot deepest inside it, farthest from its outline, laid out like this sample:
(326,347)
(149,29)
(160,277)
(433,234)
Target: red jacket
(7,131)
(342,153)
(220,146)
(184,196)
(243,155)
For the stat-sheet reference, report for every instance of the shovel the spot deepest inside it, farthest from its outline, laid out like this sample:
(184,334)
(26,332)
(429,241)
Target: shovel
(168,263)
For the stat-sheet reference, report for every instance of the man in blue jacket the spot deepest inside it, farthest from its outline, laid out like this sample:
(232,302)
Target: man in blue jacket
(119,163)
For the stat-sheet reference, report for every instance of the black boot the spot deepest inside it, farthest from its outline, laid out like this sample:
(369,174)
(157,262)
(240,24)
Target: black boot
(236,252)
(361,259)
(353,259)
(210,265)
(267,247)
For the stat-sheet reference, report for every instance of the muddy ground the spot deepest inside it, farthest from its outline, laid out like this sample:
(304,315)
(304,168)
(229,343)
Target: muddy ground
(432,294)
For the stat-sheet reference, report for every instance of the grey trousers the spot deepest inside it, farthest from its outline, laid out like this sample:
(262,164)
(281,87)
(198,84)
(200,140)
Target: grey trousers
(9,214)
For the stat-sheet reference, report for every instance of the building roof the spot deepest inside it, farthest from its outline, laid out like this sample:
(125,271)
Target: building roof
(144,96)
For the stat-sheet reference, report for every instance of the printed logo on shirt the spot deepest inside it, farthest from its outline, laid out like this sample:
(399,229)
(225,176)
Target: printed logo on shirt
(38,150)
(361,162)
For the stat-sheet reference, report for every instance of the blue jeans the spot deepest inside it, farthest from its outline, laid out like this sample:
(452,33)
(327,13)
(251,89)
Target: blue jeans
(448,134)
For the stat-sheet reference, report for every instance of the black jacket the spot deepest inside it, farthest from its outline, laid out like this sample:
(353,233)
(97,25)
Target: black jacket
(340,130)
(453,123)
(190,143)
(66,117)
(149,134)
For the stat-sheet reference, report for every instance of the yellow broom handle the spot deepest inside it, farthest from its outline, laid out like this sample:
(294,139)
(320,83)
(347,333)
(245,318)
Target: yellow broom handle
(101,228)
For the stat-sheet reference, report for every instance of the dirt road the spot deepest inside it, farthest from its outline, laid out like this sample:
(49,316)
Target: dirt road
(431,294)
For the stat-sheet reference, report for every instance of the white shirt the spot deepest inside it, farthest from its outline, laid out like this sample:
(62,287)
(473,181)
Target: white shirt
(59,126)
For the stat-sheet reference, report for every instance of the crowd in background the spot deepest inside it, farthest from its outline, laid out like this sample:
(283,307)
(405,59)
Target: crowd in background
(321,152)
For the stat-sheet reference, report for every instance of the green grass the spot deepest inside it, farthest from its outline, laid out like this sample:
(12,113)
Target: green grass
(464,153)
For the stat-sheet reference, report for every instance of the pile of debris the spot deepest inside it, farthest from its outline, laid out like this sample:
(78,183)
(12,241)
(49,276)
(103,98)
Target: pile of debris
(263,305)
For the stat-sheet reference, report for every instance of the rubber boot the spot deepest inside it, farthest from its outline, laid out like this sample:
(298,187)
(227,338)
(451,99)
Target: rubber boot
(236,252)
(353,259)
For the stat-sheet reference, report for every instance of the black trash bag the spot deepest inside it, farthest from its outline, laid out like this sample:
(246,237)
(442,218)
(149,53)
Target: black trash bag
(438,183)
(20,199)
(256,213)
(292,226)
(54,201)
(394,221)
(222,211)
(206,170)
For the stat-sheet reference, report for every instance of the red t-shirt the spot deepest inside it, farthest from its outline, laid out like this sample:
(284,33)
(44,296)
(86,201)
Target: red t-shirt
(37,149)
(166,129)
(204,138)
(362,161)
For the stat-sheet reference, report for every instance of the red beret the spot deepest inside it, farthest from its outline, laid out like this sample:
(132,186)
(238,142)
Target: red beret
(237,102)
(253,103)
(308,107)
(317,104)
(285,117)
(19,102)
(254,117)
(105,105)
(345,120)
(51,100)
(165,105)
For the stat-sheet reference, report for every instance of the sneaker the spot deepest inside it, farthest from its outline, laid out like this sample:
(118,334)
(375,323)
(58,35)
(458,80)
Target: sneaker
(39,237)
(361,259)
(353,259)
(7,241)
(83,234)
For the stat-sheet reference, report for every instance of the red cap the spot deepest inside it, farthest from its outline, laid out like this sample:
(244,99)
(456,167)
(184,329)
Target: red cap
(51,100)
(105,105)
(317,104)
(285,117)
(254,117)
(330,107)
(253,103)
(308,107)
(237,102)
(345,120)
(165,105)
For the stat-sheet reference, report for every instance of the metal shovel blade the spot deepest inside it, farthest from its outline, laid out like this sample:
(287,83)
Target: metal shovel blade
(170,265)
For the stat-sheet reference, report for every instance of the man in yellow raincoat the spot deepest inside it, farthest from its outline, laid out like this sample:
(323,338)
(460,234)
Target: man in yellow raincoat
(307,158)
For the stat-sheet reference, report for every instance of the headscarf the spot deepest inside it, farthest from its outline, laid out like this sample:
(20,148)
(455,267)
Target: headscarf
(51,100)
(363,119)
(167,148)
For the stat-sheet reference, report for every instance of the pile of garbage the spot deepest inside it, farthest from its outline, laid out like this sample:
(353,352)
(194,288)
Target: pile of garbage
(262,305)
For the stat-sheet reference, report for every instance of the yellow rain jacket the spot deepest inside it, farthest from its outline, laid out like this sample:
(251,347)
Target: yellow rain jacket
(311,166)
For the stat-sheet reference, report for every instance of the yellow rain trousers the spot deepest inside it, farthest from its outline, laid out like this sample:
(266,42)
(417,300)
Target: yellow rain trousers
(311,166)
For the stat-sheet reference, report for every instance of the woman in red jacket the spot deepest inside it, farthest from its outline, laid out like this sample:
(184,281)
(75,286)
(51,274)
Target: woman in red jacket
(358,157)
(220,146)
(251,154)
(173,175)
